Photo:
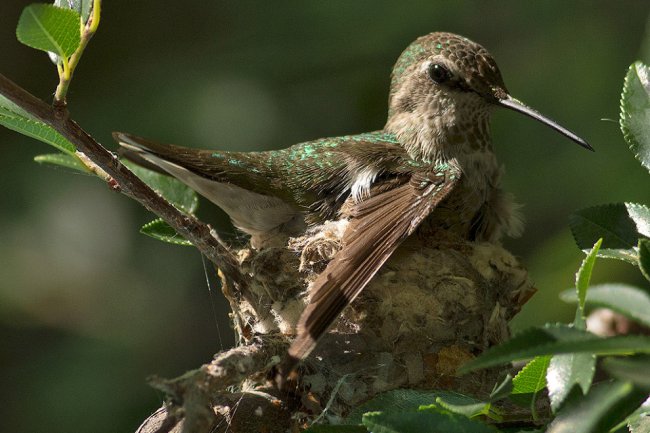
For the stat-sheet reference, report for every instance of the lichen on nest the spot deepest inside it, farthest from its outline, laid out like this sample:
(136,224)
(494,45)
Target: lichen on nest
(432,306)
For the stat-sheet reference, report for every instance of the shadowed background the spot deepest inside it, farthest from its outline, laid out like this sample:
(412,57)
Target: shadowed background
(89,307)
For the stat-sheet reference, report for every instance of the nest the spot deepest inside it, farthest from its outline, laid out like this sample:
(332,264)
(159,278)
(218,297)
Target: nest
(433,306)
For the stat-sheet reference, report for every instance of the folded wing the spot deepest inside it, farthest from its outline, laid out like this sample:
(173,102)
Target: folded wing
(377,226)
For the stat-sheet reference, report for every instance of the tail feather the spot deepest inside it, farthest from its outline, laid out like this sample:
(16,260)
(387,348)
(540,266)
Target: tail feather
(254,202)
(134,154)
(137,144)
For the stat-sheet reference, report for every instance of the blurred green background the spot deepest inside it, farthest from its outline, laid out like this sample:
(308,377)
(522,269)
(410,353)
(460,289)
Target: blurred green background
(89,308)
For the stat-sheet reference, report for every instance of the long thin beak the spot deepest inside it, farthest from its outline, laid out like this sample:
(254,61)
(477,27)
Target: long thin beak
(520,107)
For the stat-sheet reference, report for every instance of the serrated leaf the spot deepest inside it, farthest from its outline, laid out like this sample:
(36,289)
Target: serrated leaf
(62,159)
(531,378)
(159,229)
(620,225)
(553,340)
(630,301)
(173,190)
(603,408)
(418,422)
(635,112)
(635,369)
(613,224)
(530,381)
(640,214)
(82,7)
(583,277)
(336,429)
(34,129)
(49,28)
(567,374)
(644,257)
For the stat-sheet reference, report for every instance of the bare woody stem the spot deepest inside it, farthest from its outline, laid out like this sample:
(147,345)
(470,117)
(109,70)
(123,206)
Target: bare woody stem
(198,233)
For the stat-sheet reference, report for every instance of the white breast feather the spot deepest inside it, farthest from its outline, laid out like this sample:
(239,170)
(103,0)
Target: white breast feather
(362,181)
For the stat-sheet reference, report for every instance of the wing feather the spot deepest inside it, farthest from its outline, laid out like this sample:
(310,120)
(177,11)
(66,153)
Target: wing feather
(377,226)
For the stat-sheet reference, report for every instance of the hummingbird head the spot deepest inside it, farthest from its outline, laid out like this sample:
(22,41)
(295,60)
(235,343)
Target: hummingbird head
(442,90)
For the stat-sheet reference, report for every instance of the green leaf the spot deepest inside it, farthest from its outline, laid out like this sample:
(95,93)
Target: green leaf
(468,409)
(531,378)
(583,276)
(568,374)
(603,408)
(62,159)
(529,381)
(461,404)
(406,400)
(553,340)
(173,190)
(336,429)
(502,390)
(7,105)
(49,28)
(425,421)
(574,372)
(635,369)
(34,129)
(639,424)
(159,229)
(640,214)
(82,7)
(639,420)
(629,301)
(644,257)
(399,400)
(615,224)
(635,112)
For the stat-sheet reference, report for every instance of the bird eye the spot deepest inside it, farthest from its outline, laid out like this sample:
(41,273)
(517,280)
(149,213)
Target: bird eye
(439,73)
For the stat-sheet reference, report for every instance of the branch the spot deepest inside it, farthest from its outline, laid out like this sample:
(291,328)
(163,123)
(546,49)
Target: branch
(201,391)
(198,233)
(227,369)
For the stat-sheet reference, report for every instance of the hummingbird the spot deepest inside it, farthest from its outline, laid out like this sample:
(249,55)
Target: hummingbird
(432,167)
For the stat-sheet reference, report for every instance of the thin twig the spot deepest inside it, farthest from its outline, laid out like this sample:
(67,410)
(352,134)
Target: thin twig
(198,233)
(66,72)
